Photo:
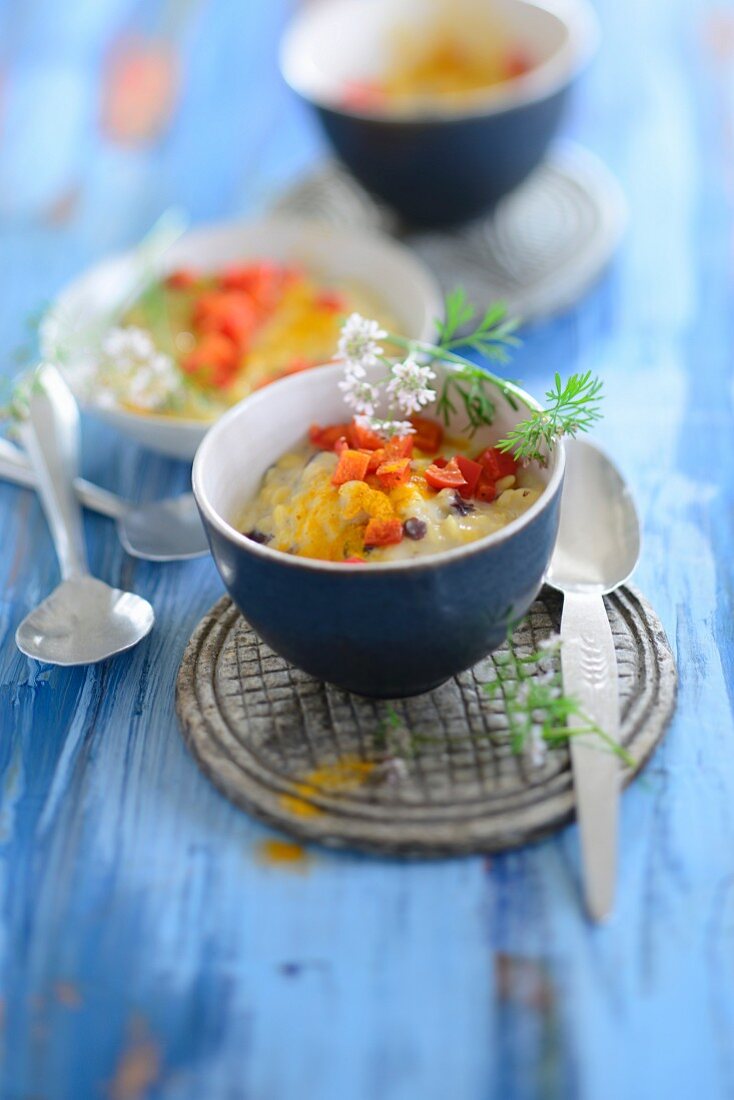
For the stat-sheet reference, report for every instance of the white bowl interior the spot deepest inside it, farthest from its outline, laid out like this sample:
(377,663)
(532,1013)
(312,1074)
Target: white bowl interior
(332,43)
(238,450)
(388,271)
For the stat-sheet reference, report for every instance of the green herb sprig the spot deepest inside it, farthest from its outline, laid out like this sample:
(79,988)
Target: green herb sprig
(530,686)
(537,709)
(572,406)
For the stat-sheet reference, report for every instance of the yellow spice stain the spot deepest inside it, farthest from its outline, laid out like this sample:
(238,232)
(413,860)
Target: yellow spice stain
(283,853)
(138,1067)
(347,774)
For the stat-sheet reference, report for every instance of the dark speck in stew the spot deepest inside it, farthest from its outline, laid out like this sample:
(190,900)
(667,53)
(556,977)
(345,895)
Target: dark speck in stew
(414,528)
(258,536)
(463,507)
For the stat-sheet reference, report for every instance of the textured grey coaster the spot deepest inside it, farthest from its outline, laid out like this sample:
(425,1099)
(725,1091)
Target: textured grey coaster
(542,248)
(311,759)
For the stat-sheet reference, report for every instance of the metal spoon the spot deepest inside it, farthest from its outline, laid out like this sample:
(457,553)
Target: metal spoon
(597,548)
(83,620)
(162,530)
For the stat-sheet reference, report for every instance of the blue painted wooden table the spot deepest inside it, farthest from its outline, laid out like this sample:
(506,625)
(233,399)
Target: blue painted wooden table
(147,949)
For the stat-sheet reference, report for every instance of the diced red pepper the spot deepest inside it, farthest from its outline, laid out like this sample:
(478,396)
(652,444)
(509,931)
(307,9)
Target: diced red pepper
(352,466)
(440,461)
(376,459)
(215,357)
(498,464)
(228,313)
(486,490)
(260,283)
(181,279)
(363,438)
(400,446)
(354,561)
(472,471)
(332,301)
(326,438)
(383,532)
(445,477)
(428,434)
(393,473)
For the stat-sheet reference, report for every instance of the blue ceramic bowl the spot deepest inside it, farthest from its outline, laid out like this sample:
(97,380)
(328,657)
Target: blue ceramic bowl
(388,629)
(444,163)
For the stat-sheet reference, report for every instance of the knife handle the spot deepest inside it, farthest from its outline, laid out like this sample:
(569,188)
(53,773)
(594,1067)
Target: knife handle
(589,665)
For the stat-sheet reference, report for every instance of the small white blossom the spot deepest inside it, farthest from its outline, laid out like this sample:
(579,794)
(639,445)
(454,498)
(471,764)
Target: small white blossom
(409,386)
(358,343)
(359,394)
(128,346)
(131,370)
(390,428)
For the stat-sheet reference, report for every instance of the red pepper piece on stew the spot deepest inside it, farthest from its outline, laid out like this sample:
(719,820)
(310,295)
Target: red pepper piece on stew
(445,477)
(472,471)
(228,313)
(182,279)
(400,446)
(383,532)
(363,438)
(215,357)
(352,466)
(498,464)
(332,301)
(486,490)
(327,438)
(393,473)
(428,435)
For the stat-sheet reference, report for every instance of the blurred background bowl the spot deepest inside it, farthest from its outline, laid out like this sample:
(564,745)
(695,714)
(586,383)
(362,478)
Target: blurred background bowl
(93,302)
(446,162)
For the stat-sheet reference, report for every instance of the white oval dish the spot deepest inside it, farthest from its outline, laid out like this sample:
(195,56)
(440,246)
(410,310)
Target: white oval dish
(90,304)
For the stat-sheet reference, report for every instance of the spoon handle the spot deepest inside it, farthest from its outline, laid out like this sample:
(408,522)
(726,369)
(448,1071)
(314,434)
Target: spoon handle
(50,436)
(15,467)
(589,664)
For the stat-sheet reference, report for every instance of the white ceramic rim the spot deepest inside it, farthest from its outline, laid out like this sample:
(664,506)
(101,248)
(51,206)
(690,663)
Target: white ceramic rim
(291,561)
(430,291)
(541,82)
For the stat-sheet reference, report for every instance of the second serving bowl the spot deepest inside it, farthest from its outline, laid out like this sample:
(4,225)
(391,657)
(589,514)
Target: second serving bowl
(386,629)
(447,162)
(93,302)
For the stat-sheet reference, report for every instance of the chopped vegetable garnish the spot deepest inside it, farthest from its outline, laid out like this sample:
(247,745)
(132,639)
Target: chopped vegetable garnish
(445,477)
(472,471)
(383,532)
(352,466)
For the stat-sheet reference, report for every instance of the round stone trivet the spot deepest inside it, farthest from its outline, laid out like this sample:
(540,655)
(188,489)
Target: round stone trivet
(543,246)
(260,728)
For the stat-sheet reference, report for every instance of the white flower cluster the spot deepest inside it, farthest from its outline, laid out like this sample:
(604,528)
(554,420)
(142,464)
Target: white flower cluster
(408,386)
(358,345)
(132,370)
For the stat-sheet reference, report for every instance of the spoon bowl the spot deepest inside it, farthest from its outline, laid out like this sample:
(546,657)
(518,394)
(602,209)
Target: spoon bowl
(599,535)
(84,621)
(164,530)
